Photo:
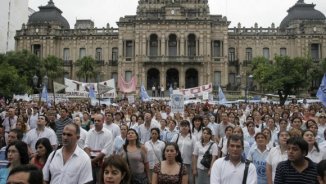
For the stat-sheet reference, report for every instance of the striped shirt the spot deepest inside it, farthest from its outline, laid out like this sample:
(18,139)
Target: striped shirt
(286,173)
(59,125)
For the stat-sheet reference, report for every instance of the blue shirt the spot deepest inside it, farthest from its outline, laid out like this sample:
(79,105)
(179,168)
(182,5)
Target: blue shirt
(4,172)
(258,158)
(3,161)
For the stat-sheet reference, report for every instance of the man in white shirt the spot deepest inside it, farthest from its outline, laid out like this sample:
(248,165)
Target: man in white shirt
(69,164)
(145,128)
(10,121)
(39,132)
(32,119)
(233,169)
(99,143)
(110,125)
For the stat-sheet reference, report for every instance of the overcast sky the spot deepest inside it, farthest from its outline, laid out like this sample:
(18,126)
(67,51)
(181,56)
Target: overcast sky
(247,12)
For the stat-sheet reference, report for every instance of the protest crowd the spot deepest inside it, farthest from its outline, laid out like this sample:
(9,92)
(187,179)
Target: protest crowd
(146,142)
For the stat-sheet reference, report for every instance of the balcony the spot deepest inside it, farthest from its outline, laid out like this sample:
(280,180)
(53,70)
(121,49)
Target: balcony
(247,62)
(234,62)
(67,63)
(174,59)
(99,62)
(113,63)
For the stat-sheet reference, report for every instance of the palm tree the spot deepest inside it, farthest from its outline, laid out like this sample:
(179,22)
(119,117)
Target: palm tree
(87,68)
(52,66)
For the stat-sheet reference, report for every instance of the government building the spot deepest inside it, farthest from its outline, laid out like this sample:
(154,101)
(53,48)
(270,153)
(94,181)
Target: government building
(173,42)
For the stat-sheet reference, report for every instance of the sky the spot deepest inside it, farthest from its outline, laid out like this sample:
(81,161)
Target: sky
(247,12)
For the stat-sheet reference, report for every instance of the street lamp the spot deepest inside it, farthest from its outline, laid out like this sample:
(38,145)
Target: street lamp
(248,83)
(45,82)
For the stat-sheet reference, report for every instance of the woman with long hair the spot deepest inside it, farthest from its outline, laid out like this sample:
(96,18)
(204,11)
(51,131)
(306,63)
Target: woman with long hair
(120,140)
(314,153)
(154,149)
(171,169)
(206,143)
(222,146)
(276,155)
(43,149)
(114,170)
(186,144)
(197,126)
(16,154)
(136,157)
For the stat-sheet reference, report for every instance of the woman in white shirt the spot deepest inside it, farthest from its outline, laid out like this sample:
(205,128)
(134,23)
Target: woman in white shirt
(186,144)
(222,146)
(276,155)
(314,152)
(154,149)
(205,144)
(197,126)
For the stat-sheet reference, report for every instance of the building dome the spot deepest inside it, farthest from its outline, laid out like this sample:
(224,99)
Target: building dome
(302,11)
(49,14)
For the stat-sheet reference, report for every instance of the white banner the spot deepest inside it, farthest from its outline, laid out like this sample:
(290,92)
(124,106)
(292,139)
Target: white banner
(177,103)
(77,89)
(131,99)
(196,91)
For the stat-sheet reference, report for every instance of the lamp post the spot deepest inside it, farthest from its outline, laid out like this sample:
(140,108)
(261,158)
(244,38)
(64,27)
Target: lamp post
(249,80)
(44,82)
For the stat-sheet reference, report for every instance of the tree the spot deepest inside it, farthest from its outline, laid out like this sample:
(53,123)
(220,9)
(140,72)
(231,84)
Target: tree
(87,68)
(285,75)
(10,81)
(52,66)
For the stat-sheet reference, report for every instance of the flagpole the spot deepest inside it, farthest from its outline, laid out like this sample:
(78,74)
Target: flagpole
(53,93)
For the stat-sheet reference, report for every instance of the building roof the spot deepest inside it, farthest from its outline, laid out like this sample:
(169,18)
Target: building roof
(302,11)
(48,14)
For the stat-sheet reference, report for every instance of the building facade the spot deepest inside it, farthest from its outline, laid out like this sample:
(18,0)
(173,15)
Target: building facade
(173,42)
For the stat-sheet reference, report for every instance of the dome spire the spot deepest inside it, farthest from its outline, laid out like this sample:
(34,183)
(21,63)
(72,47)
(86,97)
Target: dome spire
(301,1)
(51,2)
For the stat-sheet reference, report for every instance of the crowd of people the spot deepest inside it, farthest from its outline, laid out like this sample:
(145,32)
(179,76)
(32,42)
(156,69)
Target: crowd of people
(145,142)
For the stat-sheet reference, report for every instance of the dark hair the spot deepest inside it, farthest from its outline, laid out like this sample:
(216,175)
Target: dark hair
(315,144)
(279,133)
(299,141)
(197,118)
(307,126)
(235,138)
(321,168)
(226,128)
(22,150)
(209,131)
(260,133)
(186,122)
(18,132)
(138,144)
(45,118)
(176,147)
(270,133)
(46,143)
(119,163)
(35,175)
(158,131)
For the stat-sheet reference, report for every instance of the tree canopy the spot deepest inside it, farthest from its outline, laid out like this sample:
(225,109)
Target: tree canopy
(87,68)
(286,75)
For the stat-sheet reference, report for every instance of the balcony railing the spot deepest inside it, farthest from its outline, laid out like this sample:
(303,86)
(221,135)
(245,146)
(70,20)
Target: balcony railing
(233,62)
(100,62)
(67,63)
(247,62)
(174,59)
(113,63)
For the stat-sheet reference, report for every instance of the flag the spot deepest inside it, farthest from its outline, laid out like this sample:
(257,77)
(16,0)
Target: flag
(171,90)
(127,87)
(321,93)
(143,94)
(45,96)
(221,96)
(91,93)
(58,87)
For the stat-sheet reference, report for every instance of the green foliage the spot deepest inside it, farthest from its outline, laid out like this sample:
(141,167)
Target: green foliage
(52,66)
(285,75)
(87,68)
(10,81)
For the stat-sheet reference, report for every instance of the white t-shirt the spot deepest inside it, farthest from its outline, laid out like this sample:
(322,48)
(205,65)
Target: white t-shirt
(33,136)
(200,150)
(275,157)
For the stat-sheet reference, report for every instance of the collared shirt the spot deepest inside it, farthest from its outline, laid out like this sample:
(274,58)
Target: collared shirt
(9,123)
(154,152)
(286,173)
(33,136)
(118,144)
(82,138)
(145,133)
(316,156)
(186,145)
(274,157)
(200,150)
(225,172)
(99,142)
(114,128)
(32,121)
(168,135)
(77,169)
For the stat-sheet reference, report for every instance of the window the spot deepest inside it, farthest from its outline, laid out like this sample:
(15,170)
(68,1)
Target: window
(315,55)
(217,48)
(192,45)
(129,46)
(172,45)
(98,54)
(66,56)
(114,54)
(217,78)
(232,54)
(153,45)
(82,53)
(36,49)
(282,51)
(128,76)
(266,53)
(248,54)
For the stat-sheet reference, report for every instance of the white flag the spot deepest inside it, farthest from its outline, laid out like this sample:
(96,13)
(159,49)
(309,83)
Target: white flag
(58,87)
